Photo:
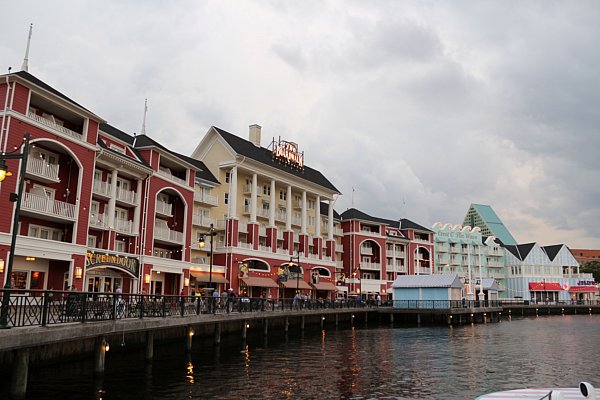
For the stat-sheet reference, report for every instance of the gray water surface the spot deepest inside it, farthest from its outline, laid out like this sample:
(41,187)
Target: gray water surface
(378,362)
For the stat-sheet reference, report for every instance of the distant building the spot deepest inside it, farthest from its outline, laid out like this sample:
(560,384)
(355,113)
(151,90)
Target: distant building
(586,255)
(484,217)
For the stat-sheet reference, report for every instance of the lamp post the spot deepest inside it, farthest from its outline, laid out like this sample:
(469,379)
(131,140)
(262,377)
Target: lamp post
(298,269)
(16,197)
(202,243)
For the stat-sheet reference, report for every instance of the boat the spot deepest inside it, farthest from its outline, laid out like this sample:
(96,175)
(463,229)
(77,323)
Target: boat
(585,391)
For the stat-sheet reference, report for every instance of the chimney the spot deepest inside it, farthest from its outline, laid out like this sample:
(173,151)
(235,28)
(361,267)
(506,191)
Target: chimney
(255,135)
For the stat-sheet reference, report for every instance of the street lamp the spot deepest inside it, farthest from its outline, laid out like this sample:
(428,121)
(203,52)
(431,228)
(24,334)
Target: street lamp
(298,269)
(202,243)
(16,197)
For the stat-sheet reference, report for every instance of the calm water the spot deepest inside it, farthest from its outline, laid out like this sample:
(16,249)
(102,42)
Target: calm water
(361,363)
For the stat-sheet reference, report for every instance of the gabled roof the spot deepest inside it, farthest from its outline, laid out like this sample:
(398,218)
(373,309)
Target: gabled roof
(521,251)
(427,281)
(353,213)
(139,159)
(493,223)
(264,156)
(28,77)
(324,210)
(552,251)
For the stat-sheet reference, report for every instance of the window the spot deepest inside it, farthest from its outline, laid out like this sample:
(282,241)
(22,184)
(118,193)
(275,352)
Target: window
(311,220)
(91,241)
(311,204)
(267,190)
(120,246)
(49,157)
(226,198)
(227,177)
(282,195)
(43,232)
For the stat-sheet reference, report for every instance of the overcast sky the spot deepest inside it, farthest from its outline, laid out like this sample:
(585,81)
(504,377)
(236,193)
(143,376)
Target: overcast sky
(422,107)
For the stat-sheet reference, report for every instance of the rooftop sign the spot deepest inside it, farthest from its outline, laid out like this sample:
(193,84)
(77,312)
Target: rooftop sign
(287,153)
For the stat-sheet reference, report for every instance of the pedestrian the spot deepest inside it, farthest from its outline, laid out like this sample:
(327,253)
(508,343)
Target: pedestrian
(119,301)
(216,297)
(230,300)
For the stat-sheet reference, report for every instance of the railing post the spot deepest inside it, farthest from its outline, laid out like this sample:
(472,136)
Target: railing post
(182,303)
(114,307)
(164,306)
(45,305)
(83,310)
(141,306)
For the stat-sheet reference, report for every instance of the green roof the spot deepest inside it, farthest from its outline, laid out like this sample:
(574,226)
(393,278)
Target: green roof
(484,217)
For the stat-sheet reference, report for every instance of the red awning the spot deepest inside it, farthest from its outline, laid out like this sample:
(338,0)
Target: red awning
(325,286)
(293,284)
(583,289)
(259,282)
(545,287)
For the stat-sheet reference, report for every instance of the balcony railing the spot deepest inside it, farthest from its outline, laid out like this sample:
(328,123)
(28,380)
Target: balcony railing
(338,231)
(55,126)
(164,208)
(339,248)
(366,250)
(370,266)
(423,270)
(101,187)
(283,251)
(127,196)
(162,233)
(263,212)
(124,226)
(339,264)
(264,248)
(202,220)
(42,204)
(280,216)
(296,220)
(279,235)
(39,167)
(203,197)
(247,189)
(172,177)
(98,220)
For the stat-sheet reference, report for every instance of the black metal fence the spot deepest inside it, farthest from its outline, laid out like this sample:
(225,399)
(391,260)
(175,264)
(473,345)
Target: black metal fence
(45,307)
(444,304)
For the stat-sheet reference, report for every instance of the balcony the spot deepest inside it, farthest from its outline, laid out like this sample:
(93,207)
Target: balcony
(49,207)
(296,220)
(279,234)
(366,250)
(399,254)
(283,251)
(127,196)
(168,175)
(264,248)
(101,188)
(338,231)
(280,216)
(364,265)
(339,264)
(455,249)
(339,248)
(52,124)
(262,231)
(98,220)
(125,226)
(297,204)
(164,208)
(202,220)
(263,212)
(168,235)
(422,271)
(203,197)
(247,189)
(42,170)
(442,247)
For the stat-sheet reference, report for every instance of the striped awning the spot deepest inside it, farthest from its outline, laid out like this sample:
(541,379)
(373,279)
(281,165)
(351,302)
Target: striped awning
(259,282)
(325,286)
(293,284)
(205,277)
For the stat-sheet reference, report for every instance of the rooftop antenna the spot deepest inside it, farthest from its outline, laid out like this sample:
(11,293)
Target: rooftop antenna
(25,66)
(352,197)
(143,132)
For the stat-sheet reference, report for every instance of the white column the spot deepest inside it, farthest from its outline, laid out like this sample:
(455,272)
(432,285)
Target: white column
(112,202)
(303,213)
(288,217)
(233,193)
(253,198)
(330,221)
(272,205)
(138,207)
(318,216)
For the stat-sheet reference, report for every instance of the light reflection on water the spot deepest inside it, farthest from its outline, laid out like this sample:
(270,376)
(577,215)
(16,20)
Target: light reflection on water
(357,363)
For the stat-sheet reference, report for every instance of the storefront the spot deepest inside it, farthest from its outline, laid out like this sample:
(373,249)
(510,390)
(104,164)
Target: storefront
(545,292)
(583,293)
(201,280)
(104,272)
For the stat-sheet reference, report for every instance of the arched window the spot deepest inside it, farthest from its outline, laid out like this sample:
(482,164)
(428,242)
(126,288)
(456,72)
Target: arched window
(257,265)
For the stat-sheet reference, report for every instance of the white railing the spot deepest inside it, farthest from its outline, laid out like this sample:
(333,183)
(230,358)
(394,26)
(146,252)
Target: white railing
(312,256)
(171,177)
(243,226)
(247,188)
(262,231)
(99,220)
(339,264)
(339,248)
(160,232)
(400,254)
(42,204)
(202,220)
(124,226)
(366,250)
(442,247)
(266,249)
(39,167)
(101,187)
(423,270)
(202,197)
(296,221)
(297,204)
(338,231)
(369,232)
(370,265)
(279,235)
(200,260)
(54,125)
(127,196)
(164,208)
(424,241)
(263,212)
(245,245)
(282,251)
(280,216)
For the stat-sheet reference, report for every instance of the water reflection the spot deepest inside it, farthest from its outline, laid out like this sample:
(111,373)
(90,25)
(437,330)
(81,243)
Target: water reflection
(375,363)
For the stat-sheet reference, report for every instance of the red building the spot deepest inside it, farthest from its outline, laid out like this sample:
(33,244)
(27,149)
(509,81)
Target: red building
(377,250)
(585,255)
(100,208)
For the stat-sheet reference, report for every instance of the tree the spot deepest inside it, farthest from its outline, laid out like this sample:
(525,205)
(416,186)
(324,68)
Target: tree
(592,267)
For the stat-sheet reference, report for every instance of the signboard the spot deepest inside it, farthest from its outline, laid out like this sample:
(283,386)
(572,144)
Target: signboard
(129,264)
(287,153)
